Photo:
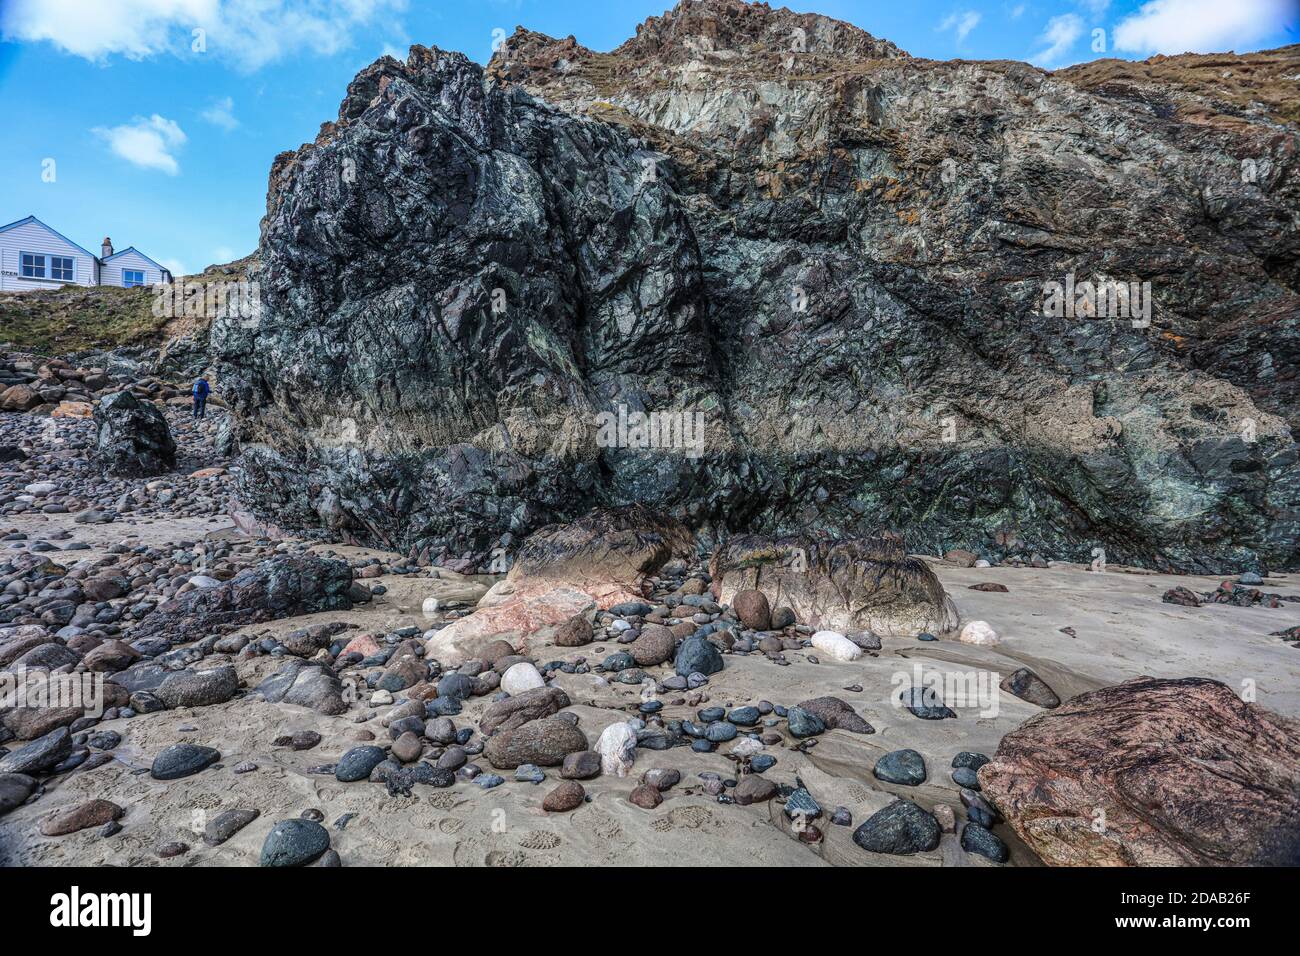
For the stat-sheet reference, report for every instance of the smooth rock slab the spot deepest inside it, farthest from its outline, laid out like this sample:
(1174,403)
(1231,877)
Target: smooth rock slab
(1185,772)
(91,813)
(226,824)
(183,760)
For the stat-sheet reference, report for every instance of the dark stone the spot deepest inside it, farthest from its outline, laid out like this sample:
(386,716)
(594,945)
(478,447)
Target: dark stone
(977,839)
(697,655)
(132,437)
(295,842)
(906,767)
(357,763)
(902,828)
(183,760)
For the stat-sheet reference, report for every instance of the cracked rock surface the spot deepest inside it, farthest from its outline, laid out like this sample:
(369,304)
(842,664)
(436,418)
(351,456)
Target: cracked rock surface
(834,252)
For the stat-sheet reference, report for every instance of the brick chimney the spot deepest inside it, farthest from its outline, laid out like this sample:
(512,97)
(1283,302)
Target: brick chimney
(106,249)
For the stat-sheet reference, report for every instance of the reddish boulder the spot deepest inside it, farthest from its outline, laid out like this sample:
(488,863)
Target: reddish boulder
(1152,772)
(752,609)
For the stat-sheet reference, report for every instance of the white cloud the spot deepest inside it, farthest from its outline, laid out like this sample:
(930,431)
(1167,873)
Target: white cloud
(222,113)
(1058,36)
(961,23)
(1016,11)
(223,254)
(150,143)
(1095,7)
(1201,26)
(175,267)
(249,33)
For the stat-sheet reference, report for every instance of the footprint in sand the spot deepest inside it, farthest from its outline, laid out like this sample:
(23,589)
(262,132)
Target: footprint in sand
(450,825)
(539,840)
(444,801)
(605,826)
(506,858)
(684,818)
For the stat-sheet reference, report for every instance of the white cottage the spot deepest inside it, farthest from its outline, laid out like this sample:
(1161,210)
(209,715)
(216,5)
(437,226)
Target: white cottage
(34,256)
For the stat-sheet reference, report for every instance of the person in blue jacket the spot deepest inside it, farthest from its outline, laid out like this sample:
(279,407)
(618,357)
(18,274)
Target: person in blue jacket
(201,390)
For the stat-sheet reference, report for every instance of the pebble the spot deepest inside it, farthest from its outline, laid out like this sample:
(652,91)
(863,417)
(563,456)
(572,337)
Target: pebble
(568,795)
(182,760)
(617,748)
(646,797)
(900,829)
(978,839)
(226,824)
(905,767)
(295,842)
(357,763)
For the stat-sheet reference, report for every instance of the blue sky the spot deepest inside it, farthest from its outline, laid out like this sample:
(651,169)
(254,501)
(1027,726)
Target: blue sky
(135,126)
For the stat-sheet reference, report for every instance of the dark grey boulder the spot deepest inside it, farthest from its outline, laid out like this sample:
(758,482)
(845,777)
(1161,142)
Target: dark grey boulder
(902,828)
(294,842)
(183,760)
(132,437)
(41,754)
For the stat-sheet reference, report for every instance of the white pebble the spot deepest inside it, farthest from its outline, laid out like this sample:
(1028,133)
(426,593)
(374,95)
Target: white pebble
(981,563)
(617,749)
(836,645)
(746,747)
(521,677)
(978,632)
(380,697)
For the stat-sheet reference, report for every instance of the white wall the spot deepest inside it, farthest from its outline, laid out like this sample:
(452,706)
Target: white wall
(33,237)
(110,273)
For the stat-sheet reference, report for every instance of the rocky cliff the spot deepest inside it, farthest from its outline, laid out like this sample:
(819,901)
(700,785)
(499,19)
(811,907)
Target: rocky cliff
(834,258)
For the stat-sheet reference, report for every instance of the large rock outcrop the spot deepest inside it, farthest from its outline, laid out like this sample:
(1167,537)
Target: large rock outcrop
(565,570)
(1153,773)
(838,256)
(275,588)
(132,437)
(863,584)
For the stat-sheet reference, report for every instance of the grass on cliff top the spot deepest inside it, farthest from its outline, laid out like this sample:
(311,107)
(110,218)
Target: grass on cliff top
(58,321)
(75,318)
(1264,80)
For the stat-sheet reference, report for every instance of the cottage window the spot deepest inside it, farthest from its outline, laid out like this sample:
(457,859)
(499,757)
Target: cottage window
(132,277)
(61,268)
(33,265)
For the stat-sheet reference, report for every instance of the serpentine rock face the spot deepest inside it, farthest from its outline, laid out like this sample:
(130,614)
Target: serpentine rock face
(824,265)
